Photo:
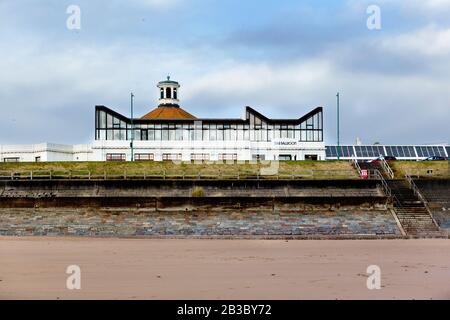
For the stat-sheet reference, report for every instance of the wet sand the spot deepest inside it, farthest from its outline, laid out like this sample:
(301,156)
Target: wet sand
(35,268)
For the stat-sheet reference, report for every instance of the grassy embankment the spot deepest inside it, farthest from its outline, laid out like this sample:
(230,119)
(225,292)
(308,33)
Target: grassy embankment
(431,169)
(304,169)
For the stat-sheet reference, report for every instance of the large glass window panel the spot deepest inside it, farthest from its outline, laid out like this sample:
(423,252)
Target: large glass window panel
(290,133)
(102,119)
(165,134)
(109,121)
(109,134)
(158,134)
(220,132)
(198,134)
(233,134)
(264,135)
(213,133)
(116,123)
(151,134)
(172,133)
(179,133)
(144,135)
(246,134)
(226,132)
(316,135)
(303,135)
(240,133)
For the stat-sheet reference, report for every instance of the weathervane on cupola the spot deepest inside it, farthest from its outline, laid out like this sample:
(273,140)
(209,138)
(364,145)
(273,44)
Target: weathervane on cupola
(168,93)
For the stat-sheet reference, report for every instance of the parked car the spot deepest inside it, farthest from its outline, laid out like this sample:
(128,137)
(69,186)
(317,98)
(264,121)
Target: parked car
(378,160)
(435,158)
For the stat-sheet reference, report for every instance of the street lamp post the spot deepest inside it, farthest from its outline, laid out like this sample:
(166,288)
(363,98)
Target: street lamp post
(132,129)
(338,131)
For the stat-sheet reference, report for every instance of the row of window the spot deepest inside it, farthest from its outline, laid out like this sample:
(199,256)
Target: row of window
(169,93)
(108,121)
(376,151)
(208,135)
(168,156)
(109,127)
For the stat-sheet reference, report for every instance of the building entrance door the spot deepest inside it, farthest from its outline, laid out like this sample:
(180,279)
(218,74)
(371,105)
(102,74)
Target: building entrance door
(311,157)
(285,157)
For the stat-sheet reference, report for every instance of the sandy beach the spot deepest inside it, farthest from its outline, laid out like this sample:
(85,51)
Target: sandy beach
(35,268)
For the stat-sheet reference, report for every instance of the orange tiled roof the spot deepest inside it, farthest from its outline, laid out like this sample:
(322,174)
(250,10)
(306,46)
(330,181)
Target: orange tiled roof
(168,113)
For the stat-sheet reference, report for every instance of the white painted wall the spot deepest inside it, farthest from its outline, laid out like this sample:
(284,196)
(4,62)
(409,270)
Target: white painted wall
(46,152)
(98,150)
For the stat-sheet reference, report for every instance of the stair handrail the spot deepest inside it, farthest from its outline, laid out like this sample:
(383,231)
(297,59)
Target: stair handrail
(422,199)
(387,168)
(357,166)
(387,190)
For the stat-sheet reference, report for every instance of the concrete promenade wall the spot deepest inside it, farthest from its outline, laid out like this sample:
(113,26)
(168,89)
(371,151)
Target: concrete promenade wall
(184,188)
(161,208)
(178,195)
(437,193)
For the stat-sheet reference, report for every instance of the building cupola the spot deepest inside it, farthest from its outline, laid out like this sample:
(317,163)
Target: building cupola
(168,108)
(168,93)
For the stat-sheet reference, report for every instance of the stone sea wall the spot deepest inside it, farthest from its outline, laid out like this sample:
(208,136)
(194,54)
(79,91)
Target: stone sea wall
(140,223)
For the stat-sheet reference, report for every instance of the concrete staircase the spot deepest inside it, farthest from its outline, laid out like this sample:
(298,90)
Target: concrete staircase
(373,167)
(411,212)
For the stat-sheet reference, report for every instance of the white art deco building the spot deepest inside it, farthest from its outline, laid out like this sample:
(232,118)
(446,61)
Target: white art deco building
(170,133)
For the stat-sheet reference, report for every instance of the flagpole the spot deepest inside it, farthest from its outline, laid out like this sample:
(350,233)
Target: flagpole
(338,131)
(132,129)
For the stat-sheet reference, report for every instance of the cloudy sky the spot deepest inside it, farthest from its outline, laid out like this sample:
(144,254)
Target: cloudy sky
(281,57)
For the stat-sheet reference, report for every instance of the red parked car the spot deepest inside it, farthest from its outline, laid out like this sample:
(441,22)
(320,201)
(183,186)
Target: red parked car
(378,160)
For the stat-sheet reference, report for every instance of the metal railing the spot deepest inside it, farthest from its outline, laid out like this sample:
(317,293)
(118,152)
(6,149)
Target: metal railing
(419,195)
(387,168)
(357,166)
(170,175)
(386,189)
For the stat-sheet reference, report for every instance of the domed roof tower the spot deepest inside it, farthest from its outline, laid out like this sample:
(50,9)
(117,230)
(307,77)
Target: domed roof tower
(168,108)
